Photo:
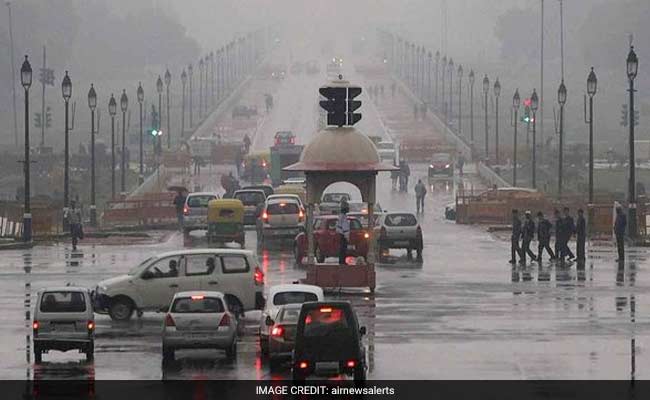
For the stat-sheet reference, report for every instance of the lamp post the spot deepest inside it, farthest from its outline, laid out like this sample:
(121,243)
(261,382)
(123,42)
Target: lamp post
(515,107)
(168,81)
(190,73)
(92,104)
(471,78)
(429,62)
(592,84)
(632,69)
(159,89)
(140,101)
(212,62)
(26,81)
(443,104)
(486,89)
(66,89)
(534,105)
(112,110)
(460,91)
(124,106)
(413,66)
(200,88)
(183,83)
(206,81)
(561,99)
(450,114)
(497,93)
(437,77)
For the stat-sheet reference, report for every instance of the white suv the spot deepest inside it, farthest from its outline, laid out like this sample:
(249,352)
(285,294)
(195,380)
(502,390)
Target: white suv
(280,218)
(151,285)
(63,320)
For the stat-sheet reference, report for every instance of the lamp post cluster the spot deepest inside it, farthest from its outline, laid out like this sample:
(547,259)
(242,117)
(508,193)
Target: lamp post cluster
(220,71)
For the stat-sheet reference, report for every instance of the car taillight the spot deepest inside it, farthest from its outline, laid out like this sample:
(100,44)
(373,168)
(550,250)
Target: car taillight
(351,363)
(225,320)
(258,276)
(277,331)
(186,210)
(366,235)
(301,215)
(35,326)
(169,321)
(91,326)
(265,216)
(303,364)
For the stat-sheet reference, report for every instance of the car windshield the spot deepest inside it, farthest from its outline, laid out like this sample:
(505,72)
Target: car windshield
(250,198)
(335,197)
(296,297)
(441,158)
(198,305)
(289,315)
(63,301)
(282,208)
(326,321)
(139,267)
(200,200)
(401,220)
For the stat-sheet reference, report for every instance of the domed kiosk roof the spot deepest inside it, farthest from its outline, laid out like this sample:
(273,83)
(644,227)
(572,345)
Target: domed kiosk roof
(340,149)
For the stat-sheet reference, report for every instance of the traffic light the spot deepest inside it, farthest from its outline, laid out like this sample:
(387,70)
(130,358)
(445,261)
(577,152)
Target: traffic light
(526,117)
(624,115)
(37,120)
(353,105)
(334,105)
(48,117)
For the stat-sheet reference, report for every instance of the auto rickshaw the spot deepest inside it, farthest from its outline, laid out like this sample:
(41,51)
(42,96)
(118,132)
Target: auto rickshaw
(226,221)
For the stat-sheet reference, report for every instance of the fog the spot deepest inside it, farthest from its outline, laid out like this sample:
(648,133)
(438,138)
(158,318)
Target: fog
(119,43)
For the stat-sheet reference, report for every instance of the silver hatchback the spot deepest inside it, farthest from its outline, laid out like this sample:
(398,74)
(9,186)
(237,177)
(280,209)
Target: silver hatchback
(195,211)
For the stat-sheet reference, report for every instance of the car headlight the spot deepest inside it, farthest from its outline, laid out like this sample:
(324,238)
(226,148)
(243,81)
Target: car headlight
(448,165)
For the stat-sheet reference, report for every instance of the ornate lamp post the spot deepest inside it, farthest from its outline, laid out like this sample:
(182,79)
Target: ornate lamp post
(168,81)
(201,88)
(450,114)
(429,63)
(443,72)
(159,89)
(471,78)
(632,69)
(592,84)
(561,99)
(486,90)
(92,104)
(460,92)
(26,81)
(112,110)
(66,89)
(437,77)
(534,105)
(497,93)
(183,83)
(124,106)
(190,73)
(140,101)
(515,107)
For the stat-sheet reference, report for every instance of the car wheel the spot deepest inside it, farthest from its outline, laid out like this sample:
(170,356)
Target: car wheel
(320,258)
(38,355)
(359,374)
(121,309)
(296,255)
(90,352)
(168,355)
(231,352)
(264,346)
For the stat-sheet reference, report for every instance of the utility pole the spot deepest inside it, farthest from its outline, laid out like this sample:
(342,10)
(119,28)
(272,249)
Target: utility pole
(43,81)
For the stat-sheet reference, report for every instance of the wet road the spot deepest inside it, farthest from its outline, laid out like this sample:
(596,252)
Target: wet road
(463,313)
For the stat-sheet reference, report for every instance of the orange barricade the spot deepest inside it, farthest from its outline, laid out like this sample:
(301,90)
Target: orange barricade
(151,208)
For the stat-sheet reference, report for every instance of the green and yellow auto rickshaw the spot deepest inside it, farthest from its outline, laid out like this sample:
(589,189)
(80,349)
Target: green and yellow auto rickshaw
(226,221)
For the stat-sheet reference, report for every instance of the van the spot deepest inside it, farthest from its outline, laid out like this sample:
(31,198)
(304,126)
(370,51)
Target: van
(63,320)
(151,285)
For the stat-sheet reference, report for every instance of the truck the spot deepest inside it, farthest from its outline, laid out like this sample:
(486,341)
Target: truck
(284,152)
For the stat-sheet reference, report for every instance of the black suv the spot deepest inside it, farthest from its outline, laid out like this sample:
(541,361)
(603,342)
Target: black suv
(328,338)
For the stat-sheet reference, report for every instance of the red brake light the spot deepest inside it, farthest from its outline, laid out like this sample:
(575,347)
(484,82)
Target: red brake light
(90,325)
(265,216)
(351,363)
(35,325)
(326,310)
(308,320)
(197,297)
(301,215)
(277,331)
(303,365)
(186,210)
(225,320)
(169,321)
(259,276)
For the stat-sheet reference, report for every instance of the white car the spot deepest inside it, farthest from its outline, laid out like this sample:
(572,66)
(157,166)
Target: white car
(280,218)
(195,211)
(280,295)
(199,320)
(400,230)
(331,202)
(287,196)
(386,151)
(63,320)
(151,285)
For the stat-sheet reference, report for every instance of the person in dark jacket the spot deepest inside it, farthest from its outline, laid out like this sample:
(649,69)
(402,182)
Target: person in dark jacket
(543,237)
(620,226)
(569,230)
(581,235)
(528,234)
(514,238)
(558,233)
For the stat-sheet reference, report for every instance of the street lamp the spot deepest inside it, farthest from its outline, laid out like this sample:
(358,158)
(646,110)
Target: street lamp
(632,69)
(429,62)
(413,66)
(471,78)
(66,89)
(140,101)
(486,89)
(592,84)
(515,107)
(124,105)
(534,105)
(437,77)
(190,73)
(443,72)
(201,88)
(26,80)
(460,91)
(112,110)
(168,81)
(92,104)
(450,114)
(212,62)
(159,89)
(497,93)
(183,83)
(561,99)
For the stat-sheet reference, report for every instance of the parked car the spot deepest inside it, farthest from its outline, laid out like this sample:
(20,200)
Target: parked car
(328,339)
(441,164)
(253,200)
(326,240)
(195,210)
(400,231)
(282,335)
(199,320)
(386,151)
(280,218)
(330,203)
(151,285)
(63,320)
(284,138)
(280,295)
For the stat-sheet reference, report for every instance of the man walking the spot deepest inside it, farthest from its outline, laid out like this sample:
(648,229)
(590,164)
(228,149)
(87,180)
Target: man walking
(528,235)
(420,192)
(76,228)
(559,235)
(581,236)
(514,237)
(543,237)
(569,230)
(179,204)
(620,226)
(343,232)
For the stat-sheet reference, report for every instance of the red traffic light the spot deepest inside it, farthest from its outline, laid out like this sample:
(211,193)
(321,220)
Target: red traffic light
(528,102)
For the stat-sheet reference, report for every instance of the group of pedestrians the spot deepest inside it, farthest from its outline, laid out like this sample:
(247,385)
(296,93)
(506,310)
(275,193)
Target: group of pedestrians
(401,176)
(524,232)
